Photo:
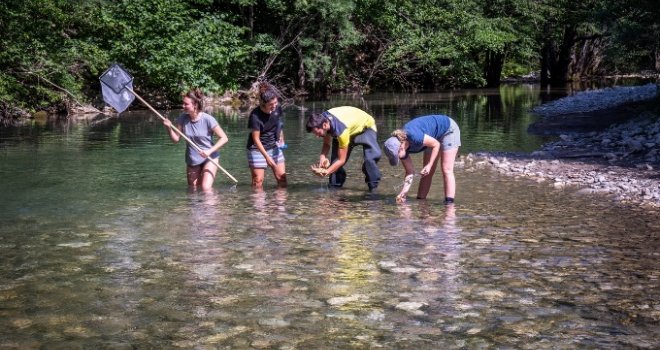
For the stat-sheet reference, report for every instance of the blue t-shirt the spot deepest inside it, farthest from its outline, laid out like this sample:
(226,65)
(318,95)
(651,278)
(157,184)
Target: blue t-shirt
(201,133)
(436,126)
(268,125)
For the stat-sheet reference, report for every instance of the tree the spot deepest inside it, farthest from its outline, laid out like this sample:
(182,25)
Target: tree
(175,45)
(503,33)
(635,27)
(47,51)
(420,44)
(574,38)
(304,41)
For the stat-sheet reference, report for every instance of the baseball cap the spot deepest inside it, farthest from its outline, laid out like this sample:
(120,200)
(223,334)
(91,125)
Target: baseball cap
(392,150)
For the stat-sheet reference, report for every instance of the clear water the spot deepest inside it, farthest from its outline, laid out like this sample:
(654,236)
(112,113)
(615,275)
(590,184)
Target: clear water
(102,246)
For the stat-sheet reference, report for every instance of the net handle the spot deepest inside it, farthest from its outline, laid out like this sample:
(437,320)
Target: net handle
(215,162)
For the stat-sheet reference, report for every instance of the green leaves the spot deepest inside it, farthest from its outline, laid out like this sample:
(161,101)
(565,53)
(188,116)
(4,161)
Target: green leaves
(47,48)
(305,45)
(171,46)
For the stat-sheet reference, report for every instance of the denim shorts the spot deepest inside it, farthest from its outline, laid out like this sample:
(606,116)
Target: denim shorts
(256,160)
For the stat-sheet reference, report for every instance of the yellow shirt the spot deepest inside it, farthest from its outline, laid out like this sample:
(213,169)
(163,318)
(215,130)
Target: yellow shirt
(348,121)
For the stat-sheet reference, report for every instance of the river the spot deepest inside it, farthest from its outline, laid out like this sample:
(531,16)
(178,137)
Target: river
(102,245)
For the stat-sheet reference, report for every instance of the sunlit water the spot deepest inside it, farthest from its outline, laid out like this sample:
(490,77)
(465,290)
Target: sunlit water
(102,246)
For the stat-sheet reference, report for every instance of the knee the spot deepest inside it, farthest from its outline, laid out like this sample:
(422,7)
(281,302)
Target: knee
(257,182)
(281,180)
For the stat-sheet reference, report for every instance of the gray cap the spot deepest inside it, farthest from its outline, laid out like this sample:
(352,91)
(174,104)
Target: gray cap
(392,150)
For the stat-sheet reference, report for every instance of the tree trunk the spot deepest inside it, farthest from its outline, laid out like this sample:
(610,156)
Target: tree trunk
(493,69)
(251,21)
(587,58)
(559,68)
(547,54)
(301,68)
(545,63)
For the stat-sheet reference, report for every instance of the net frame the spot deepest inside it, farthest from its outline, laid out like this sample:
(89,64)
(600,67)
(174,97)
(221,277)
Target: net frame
(117,87)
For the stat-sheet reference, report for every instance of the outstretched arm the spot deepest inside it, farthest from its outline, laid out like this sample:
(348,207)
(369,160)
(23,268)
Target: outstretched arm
(342,154)
(408,180)
(434,145)
(323,157)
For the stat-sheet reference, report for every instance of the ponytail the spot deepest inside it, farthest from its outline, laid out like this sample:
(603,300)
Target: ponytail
(267,92)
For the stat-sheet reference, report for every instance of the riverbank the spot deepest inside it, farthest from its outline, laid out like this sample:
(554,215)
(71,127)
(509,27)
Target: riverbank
(620,162)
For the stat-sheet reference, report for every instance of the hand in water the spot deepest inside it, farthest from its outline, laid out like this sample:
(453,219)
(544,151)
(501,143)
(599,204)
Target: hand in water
(319,171)
(405,187)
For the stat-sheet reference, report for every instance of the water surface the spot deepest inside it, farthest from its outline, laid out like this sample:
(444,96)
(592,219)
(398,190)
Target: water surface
(103,246)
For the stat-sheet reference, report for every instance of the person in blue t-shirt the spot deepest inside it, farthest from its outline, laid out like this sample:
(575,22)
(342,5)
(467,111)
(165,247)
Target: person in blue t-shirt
(199,127)
(439,137)
(266,139)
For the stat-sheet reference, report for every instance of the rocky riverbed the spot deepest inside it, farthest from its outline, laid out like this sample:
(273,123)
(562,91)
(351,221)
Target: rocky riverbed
(621,162)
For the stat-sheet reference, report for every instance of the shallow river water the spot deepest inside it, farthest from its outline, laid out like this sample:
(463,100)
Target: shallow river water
(102,246)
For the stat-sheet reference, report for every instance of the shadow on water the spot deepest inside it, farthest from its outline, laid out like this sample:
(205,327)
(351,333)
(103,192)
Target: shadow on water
(103,246)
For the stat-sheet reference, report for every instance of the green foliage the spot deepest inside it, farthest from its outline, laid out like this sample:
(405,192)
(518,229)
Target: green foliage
(49,46)
(171,46)
(46,44)
(431,43)
(309,40)
(635,27)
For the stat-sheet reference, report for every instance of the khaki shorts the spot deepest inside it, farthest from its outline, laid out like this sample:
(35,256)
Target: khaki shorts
(452,138)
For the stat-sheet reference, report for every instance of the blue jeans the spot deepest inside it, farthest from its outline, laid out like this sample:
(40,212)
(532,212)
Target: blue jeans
(371,153)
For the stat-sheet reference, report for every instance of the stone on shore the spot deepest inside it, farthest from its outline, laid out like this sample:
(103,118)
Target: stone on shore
(622,161)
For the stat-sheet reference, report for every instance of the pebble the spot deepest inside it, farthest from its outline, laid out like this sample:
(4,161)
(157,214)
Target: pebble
(412,307)
(338,301)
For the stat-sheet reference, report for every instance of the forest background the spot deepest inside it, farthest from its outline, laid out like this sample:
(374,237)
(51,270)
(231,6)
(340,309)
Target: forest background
(53,51)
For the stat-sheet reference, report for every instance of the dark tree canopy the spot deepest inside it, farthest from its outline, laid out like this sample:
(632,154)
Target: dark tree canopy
(52,51)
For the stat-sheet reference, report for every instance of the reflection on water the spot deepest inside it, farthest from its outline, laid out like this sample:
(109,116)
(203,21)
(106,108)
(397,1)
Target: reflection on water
(103,247)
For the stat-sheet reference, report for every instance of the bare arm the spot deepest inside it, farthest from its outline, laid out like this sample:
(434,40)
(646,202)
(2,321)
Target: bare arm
(342,154)
(174,136)
(222,139)
(408,180)
(434,145)
(323,158)
(257,142)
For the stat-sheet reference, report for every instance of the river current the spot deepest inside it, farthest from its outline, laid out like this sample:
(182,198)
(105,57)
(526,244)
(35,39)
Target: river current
(102,246)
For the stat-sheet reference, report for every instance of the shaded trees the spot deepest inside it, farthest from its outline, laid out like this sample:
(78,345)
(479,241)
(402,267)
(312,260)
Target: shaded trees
(636,35)
(581,39)
(438,43)
(46,49)
(301,43)
(508,29)
(420,44)
(52,51)
(173,45)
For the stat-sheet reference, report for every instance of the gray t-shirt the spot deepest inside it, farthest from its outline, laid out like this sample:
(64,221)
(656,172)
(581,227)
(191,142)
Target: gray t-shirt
(201,133)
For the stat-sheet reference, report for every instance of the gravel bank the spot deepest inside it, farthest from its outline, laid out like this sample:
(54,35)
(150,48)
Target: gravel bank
(597,100)
(621,162)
